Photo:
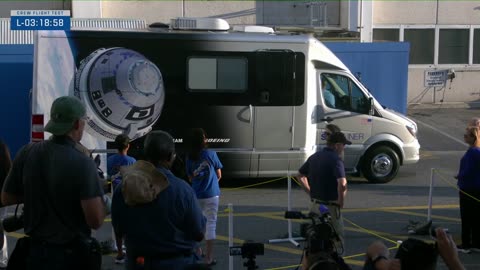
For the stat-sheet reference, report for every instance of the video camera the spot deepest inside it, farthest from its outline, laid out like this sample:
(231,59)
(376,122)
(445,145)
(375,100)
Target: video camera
(320,235)
(13,223)
(250,251)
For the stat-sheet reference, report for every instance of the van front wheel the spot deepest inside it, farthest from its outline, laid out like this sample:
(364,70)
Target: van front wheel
(380,164)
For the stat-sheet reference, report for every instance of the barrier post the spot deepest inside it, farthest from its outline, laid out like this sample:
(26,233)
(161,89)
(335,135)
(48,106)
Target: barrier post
(290,237)
(230,235)
(430,192)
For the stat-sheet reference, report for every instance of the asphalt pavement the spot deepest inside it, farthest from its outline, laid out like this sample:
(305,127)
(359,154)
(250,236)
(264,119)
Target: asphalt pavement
(372,211)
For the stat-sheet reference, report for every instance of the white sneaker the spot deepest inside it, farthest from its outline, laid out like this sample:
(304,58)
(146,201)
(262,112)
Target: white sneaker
(120,260)
(464,250)
(475,249)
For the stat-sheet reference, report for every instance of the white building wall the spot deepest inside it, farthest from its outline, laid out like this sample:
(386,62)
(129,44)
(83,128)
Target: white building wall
(236,12)
(402,12)
(425,12)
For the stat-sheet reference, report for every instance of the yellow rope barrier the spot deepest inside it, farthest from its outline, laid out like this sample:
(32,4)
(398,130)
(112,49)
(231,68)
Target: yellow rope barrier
(453,185)
(253,185)
(371,232)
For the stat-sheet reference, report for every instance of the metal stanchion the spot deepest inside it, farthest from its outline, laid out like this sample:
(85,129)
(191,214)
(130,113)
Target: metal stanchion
(290,237)
(430,192)
(230,235)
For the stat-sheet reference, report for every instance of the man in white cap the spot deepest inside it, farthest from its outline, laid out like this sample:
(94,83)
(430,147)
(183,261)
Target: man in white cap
(60,190)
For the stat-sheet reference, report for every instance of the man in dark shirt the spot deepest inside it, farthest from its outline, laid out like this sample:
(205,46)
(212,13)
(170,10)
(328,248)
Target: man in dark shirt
(323,178)
(161,231)
(60,189)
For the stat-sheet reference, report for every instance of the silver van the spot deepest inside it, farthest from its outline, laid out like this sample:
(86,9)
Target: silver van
(257,94)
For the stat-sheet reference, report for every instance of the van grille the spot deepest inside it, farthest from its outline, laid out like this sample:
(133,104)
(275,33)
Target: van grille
(8,36)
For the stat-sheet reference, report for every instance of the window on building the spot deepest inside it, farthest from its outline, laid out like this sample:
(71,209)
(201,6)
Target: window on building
(476,46)
(217,74)
(386,34)
(453,46)
(421,45)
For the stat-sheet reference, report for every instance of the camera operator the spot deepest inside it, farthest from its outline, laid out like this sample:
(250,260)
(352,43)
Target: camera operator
(62,196)
(414,254)
(323,261)
(323,178)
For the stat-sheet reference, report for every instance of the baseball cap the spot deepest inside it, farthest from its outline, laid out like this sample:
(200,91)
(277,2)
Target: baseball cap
(338,137)
(141,183)
(63,114)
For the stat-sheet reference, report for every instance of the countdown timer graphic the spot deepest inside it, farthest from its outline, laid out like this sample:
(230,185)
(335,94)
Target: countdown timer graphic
(40,20)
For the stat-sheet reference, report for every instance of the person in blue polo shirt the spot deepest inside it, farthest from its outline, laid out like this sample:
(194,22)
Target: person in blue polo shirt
(114,163)
(323,178)
(204,171)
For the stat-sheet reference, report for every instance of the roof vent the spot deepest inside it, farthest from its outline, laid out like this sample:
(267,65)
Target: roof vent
(213,24)
(253,29)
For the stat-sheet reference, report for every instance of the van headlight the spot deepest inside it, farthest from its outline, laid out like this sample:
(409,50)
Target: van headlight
(412,129)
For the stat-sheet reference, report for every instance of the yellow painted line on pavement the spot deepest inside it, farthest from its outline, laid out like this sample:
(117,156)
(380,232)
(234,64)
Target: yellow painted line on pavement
(414,207)
(252,214)
(348,210)
(295,251)
(423,215)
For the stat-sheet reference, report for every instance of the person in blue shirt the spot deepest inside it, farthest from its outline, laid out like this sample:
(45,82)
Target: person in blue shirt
(121,158)
(114,163)
(328,96)
(160,233)
(323,178)
(469,185)
(204,170)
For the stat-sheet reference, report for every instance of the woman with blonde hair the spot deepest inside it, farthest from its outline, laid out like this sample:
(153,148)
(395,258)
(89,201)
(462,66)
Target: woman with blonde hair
(469,185)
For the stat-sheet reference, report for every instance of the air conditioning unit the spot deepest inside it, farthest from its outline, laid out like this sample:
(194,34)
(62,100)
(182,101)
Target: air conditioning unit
(209,24)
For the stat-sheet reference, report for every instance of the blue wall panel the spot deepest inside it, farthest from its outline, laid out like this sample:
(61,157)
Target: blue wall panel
(16,71)
(381,67)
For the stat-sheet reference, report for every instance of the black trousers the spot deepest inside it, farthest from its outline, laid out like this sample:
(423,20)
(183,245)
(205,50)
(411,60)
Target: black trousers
(469,208)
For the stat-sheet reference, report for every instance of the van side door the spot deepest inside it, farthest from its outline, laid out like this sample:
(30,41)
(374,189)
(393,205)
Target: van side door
(341,101)
(277,93)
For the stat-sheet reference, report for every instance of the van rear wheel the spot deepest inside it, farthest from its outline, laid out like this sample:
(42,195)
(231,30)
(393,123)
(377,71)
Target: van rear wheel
(380,164)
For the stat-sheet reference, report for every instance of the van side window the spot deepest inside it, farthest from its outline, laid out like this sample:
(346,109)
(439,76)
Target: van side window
(276,73)
(343,94)
(217,74)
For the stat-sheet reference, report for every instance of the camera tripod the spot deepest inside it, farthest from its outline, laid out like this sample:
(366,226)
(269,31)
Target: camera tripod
(251,264)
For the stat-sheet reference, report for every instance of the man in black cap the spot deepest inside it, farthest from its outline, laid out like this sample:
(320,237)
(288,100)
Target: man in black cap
(61,192)
(323,178)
